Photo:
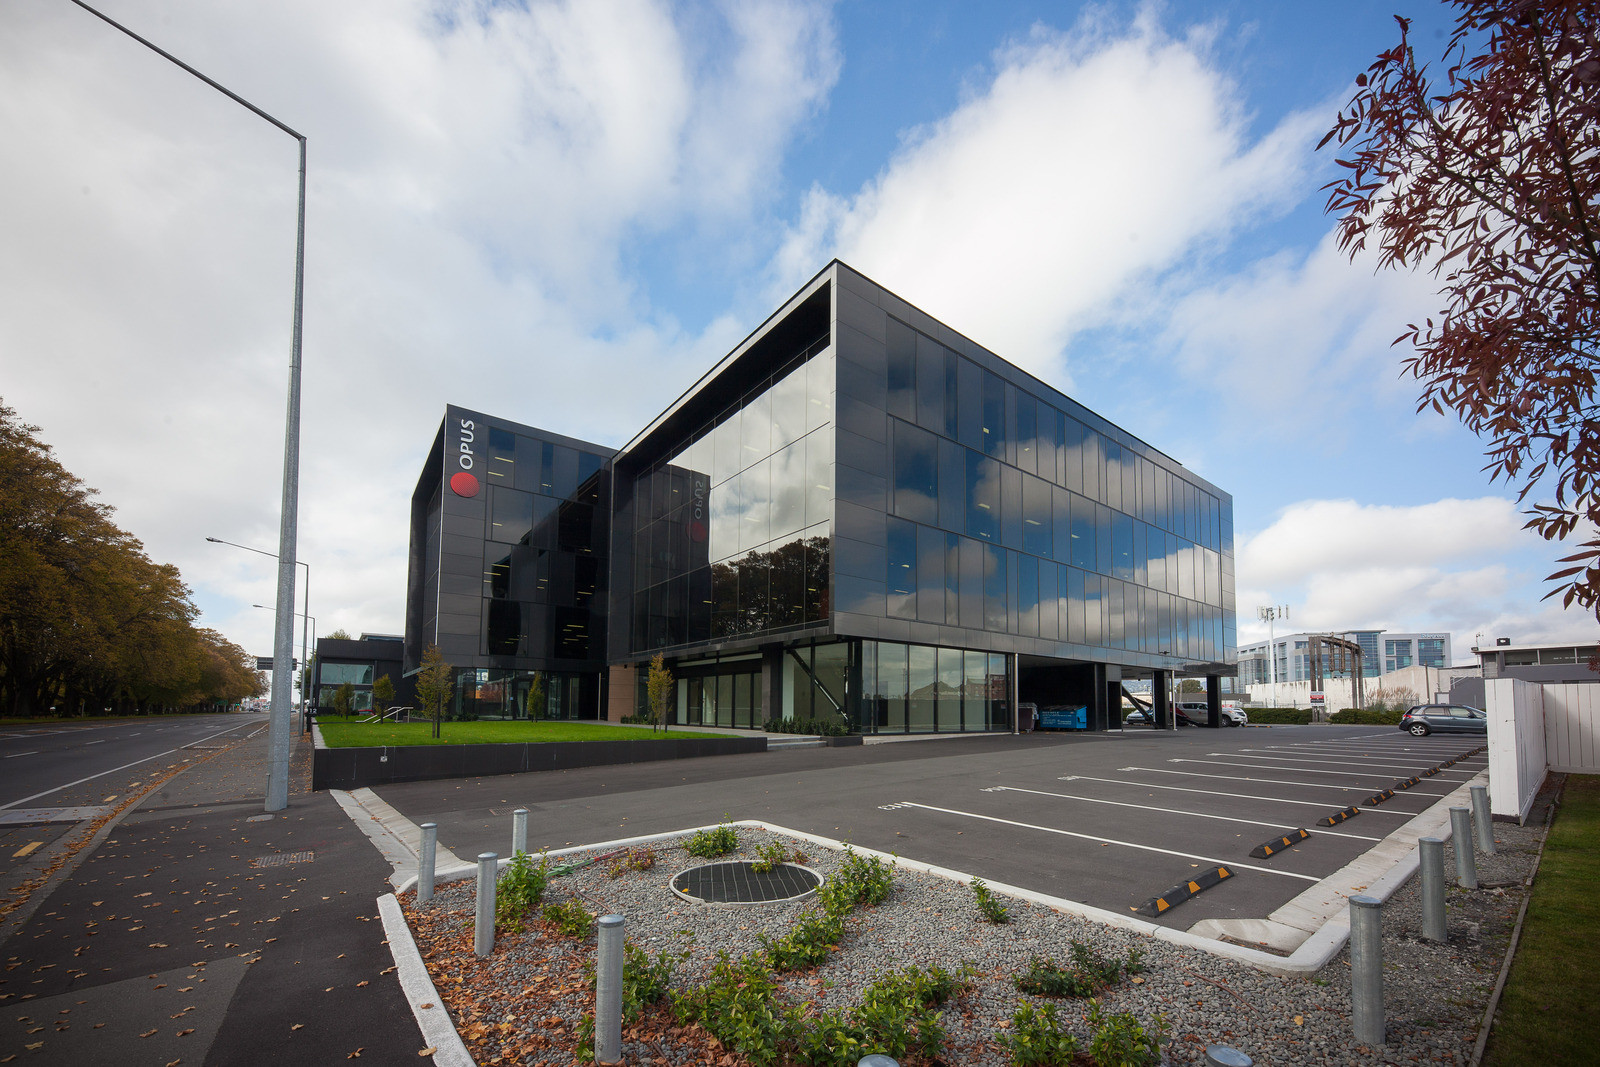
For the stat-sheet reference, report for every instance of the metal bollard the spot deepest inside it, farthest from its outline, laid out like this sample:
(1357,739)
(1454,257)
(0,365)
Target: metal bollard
(425,864)
(483,923)
(1366,970)
(1433,889)
(1482,820)
(608,992)
(1223,1056)
(519,831)
(877,1059)
(1461,838)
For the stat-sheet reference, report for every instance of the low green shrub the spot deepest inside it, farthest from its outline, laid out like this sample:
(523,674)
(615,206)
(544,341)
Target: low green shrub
(1120,1040)
(773,854)
(520,890)
(1037,1038)
(1089,973)
(990,908)
(570,917)
(1367,716)
(717,841)
(1280,716)
(739,1006)
(815,934)
(896,1018)
(859,880)
(818,727)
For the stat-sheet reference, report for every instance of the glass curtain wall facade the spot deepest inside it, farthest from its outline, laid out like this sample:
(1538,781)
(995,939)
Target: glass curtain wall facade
(857,515)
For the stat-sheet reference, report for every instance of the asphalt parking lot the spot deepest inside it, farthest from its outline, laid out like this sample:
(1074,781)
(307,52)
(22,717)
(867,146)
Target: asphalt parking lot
(1108,820)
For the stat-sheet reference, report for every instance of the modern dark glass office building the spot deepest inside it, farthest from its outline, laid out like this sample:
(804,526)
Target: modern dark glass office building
(858,514)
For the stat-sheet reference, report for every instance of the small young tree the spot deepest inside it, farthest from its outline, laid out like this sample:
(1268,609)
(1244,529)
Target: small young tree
(658,691)
(434,685)
(344,699)
(382,694)
(535,698)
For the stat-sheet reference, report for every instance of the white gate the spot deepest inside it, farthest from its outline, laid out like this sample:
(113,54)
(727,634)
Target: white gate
(1534,729)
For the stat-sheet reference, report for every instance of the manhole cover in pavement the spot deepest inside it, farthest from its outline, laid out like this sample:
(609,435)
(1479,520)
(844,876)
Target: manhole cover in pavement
(283,859)
(738,882)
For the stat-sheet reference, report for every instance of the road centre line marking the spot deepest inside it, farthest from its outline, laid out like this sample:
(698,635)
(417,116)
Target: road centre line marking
(1112,841)
(1302,770)
(1279,781)
(1321,804)
(1168,811)
(99,742)
(14,755)
(114,770)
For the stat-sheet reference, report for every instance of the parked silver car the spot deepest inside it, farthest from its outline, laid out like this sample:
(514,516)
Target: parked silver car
(1424,719)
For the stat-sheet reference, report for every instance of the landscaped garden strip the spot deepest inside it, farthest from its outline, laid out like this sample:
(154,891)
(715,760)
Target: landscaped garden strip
(347,734)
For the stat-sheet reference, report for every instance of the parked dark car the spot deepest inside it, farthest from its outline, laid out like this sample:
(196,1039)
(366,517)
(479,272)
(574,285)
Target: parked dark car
(1424,719)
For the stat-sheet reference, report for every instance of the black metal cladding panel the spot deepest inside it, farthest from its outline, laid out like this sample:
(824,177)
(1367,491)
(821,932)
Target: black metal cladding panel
(857,417)
(861,596)
(860,380)
(859,487)
(858,558)
(859,523)
(857,310)
(861,453)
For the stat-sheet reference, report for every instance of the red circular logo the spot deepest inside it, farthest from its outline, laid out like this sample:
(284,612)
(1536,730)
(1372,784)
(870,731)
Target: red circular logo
(464,484)
(697,531)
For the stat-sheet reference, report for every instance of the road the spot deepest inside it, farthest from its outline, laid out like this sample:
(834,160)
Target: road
(55,764)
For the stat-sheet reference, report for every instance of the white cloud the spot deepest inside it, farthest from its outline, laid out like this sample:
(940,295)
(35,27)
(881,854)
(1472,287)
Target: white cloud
(1094,161)
(1462,566)
(477,176)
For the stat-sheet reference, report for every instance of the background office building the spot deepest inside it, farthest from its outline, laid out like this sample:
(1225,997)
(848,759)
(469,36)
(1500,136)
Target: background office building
(858,514)
(1382,652)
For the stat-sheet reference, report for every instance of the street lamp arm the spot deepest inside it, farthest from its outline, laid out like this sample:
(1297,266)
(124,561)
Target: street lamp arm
(163,53)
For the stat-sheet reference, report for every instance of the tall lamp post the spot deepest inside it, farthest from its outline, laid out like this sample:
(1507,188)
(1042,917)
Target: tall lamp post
(1268,616)
(277,797)
(307,598)
(305,665)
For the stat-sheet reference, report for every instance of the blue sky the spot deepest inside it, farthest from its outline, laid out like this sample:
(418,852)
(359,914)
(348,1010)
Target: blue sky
(510,202)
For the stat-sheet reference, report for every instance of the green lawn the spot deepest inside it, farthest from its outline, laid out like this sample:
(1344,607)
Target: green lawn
(350,734)
(1547,1011)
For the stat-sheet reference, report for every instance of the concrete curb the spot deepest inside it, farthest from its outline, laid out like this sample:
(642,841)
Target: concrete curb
(432,1017)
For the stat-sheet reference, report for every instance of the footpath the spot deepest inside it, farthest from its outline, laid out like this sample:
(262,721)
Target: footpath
(202,931)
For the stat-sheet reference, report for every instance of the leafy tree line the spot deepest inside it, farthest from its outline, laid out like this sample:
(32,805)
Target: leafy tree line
(88,623)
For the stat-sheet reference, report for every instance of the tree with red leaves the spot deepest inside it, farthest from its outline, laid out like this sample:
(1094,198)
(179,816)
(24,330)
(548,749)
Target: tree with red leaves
(1491,180)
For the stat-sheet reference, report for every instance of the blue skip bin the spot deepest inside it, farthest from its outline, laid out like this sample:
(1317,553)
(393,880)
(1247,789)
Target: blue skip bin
(1064,717)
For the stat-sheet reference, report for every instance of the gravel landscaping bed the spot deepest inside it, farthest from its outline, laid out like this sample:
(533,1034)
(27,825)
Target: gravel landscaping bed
(523,1004)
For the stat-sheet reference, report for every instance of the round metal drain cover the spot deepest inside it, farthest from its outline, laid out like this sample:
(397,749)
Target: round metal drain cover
(739,882)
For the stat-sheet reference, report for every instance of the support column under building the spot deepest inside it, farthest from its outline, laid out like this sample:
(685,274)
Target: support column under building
(1161,699)
(1214,701)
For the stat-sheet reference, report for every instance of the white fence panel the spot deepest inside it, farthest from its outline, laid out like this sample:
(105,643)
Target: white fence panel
(1572,727)
(1517,744)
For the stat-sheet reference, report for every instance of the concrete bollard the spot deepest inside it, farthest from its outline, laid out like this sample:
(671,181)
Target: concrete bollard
(1366,970)
(427,861)
(519,831)
(1461,838)
(1223,1056)
(1482,820)
(877,1059)
(1433,888)
(483,923)
(608,992)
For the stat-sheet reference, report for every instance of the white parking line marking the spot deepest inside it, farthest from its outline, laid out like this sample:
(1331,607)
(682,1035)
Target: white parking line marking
(1113,841)
(1279,781)
(1321,804)
(1367,761)
(1302,770)
(1166,811)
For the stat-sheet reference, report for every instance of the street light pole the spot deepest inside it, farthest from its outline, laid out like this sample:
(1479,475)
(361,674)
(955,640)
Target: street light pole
(307,613)
(305,665)
(1269,616)
(277,797)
